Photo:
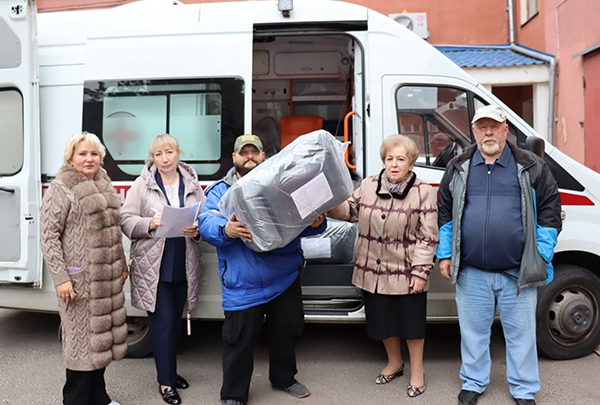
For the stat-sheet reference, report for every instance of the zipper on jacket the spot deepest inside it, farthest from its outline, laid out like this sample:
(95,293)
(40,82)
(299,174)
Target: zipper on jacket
(486,221)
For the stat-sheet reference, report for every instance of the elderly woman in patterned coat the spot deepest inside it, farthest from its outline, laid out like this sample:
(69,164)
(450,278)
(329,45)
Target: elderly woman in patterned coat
(397,239)
(82,246)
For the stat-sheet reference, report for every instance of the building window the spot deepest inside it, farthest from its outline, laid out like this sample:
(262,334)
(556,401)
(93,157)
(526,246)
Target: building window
(529,8)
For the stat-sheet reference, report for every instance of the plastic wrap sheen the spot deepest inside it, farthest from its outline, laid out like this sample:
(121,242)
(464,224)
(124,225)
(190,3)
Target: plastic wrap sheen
(279,198)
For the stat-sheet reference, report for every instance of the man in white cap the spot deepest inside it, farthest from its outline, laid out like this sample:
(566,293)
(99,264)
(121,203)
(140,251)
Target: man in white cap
(499,217)
(254,286)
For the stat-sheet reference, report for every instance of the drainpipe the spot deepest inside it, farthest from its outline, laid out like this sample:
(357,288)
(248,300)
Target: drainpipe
(546,58)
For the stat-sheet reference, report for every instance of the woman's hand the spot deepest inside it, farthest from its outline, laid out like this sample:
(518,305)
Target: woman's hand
(190,231)
(125,274)
(155,221)
(416,284)
(65,291)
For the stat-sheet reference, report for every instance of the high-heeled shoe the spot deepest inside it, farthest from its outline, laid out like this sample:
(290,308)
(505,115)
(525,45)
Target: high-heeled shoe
(384,379)
(414,391)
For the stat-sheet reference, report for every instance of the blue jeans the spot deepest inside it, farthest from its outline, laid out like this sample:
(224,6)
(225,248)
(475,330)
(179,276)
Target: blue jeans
(478,293)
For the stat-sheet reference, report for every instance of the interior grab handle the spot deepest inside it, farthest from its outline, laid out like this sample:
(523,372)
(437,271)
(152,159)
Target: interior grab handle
(347,139)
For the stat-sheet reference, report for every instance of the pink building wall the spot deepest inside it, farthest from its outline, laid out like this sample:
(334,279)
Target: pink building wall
(568,28)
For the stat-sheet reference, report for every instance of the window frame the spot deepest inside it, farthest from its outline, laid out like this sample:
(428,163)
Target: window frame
(231,90)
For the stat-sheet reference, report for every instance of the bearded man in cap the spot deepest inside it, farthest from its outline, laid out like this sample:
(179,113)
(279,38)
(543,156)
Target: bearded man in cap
(499,217)
(255,285)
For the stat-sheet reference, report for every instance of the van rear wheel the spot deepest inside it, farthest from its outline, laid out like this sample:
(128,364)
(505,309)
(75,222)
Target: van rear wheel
(568,314)
(138,337)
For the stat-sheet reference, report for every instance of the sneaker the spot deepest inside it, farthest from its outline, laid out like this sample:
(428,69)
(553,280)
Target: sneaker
(231,402)
(298,390)
(114,403)
(466,397)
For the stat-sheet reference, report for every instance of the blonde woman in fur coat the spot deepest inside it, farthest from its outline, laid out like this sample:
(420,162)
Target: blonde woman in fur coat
(82,246)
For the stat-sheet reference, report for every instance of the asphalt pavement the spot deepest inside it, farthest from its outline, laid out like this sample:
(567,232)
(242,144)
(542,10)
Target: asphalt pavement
(338,363)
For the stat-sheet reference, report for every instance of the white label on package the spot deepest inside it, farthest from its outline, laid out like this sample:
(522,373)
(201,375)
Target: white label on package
(316,248)
(312,195)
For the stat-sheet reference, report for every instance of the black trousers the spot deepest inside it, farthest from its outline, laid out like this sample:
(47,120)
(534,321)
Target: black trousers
(165,329)
(85,388)
(241,329)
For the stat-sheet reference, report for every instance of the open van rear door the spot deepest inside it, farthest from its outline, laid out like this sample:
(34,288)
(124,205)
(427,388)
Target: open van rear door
(20,178)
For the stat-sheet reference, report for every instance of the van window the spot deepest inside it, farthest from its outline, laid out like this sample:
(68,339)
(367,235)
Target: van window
(437,119)
(11,130)
(205,116)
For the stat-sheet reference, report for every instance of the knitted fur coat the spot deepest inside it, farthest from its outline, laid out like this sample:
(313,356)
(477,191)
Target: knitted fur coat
(80,230)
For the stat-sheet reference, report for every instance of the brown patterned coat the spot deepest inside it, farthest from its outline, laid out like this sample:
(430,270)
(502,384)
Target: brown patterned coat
(397,238)
(80,227)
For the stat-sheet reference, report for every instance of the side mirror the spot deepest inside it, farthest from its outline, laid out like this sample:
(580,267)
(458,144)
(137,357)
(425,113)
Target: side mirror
(535,145)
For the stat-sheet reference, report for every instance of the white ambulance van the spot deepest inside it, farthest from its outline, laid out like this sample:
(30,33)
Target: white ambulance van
(207,73)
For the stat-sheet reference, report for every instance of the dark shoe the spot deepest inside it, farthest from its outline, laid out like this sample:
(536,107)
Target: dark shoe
(468,397)
(298,390)
(170,395)
(384,379)
(521,401)
(181,383)
(231,402)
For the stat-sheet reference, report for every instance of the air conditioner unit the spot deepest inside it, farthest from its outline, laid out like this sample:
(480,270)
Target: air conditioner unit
(416,22)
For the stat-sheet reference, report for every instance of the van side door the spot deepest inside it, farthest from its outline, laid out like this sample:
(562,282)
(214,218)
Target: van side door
(20,178)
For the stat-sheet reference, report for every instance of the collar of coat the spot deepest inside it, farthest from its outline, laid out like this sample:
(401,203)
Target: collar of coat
(387,194)
(524,157)
(87,190)
(187,173)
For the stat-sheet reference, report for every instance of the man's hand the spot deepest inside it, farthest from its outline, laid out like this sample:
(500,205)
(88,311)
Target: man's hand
(236,229)
(445,268)
(317,223)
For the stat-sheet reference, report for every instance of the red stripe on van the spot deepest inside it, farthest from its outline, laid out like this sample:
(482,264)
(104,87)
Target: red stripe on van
(574,199)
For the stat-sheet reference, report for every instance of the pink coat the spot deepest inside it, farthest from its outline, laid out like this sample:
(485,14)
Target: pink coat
(146,250)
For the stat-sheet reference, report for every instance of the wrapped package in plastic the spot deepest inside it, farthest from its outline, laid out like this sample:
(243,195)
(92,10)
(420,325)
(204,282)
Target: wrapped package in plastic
(334,246)
(279,198)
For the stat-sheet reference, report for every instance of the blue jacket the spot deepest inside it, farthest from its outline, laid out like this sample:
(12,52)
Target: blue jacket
(540,209)
(248,278)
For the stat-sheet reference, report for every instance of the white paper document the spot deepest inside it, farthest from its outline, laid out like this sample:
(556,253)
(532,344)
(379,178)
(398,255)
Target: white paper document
(316,248)
(312,195)
(175,219)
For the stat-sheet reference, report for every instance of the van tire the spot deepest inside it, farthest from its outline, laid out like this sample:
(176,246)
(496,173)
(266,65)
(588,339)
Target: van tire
(568,313)
(138,337)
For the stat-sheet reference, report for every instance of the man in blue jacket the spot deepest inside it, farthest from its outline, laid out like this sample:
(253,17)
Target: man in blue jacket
(499,217)
(254,285)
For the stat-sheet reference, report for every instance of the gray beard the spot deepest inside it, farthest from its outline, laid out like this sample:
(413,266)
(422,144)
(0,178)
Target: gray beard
(490,149)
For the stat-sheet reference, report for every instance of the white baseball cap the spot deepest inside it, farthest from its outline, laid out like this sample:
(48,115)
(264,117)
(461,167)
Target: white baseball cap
(490,111)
